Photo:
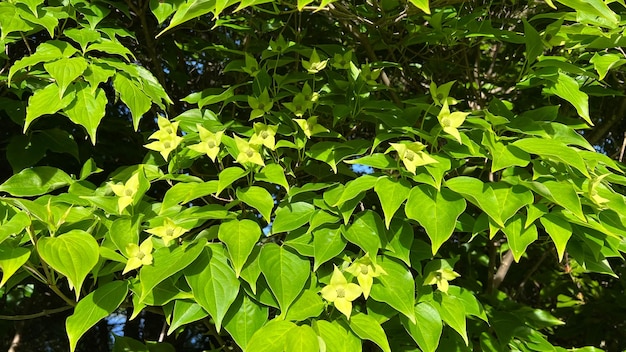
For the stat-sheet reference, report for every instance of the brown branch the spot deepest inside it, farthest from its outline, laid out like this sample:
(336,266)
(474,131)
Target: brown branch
(504,267)
(43,313)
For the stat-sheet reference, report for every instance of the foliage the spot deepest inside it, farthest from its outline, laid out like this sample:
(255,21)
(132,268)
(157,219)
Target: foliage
(309,176)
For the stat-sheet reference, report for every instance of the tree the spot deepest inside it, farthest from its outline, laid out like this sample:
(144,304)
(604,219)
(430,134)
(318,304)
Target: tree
(279,175)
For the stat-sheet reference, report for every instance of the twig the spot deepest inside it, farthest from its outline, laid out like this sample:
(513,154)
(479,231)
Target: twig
(43,313)
(505,264)
(621,151)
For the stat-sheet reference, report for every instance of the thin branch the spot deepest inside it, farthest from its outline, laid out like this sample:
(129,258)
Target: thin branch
(504,267)
(43,313)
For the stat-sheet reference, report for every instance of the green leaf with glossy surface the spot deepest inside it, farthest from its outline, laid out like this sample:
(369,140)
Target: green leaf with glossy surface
(427,328)
(436,211)
(244,318)
(258,198)
(35,181)
(73,254)
(292,216)
(188,11)
(302,339)
(392,193)
(65,71)
(185,312)
(184,192)
(559,230)
(240,237)
(93,308)
(452,312)
(368,232)
(16,224)
(519,237)
(213,282)
(88,108)
(553,150)
(308,305)
(567,88)
(327,244)
(228,176)
(273,173)
(11,259)
(271,337)
(478,193)
(336,337)
(396,288)
(132,95)
(368,328)
(286,273)
(166,262)
(46,101)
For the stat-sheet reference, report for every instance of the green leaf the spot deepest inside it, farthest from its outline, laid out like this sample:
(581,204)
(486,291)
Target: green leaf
(336,337)
(188,11)
(35,181)
(270,338)
(477,193)
(46,101)
(11,259)
(603,63)
(519,237)
(88,108)
(303,3)
(132,95)
(302,339)
(127,344)
(111,47)
(511,198)
(168,261)
(273,173)
(534,43)
(228,176)
(240,237)
(436,211)
(292,216)
(184,192)
(559,230)
(426,331)
(367,231)
(368,328)
(400,237)
(567,88)
(286,273)
(561,193)
(452,312)
(377,160)
(504,156)
(48,51)
(355,187)
(422,5)
(93,308)
(213,282)
(258,198)
(555,150)
(392,193)
(396,288)
(73,254)
(82,36)
(11,21)
(244,318)
(308,305)
(327,244)
(471,304)
(15,225)
(65,71)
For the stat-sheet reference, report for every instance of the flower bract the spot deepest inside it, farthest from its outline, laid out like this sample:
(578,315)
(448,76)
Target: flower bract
(341,293)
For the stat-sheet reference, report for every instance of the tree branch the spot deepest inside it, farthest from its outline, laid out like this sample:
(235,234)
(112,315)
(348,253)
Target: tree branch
(504,267)
(43,313)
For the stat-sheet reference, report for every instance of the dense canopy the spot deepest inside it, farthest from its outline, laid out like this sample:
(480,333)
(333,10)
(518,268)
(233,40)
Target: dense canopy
(258,175)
